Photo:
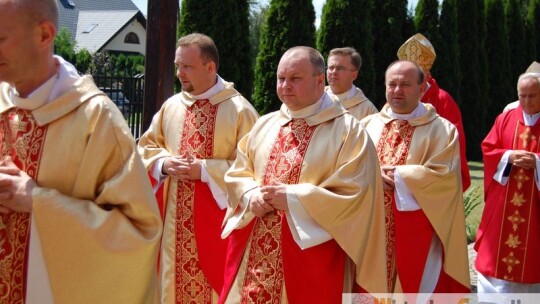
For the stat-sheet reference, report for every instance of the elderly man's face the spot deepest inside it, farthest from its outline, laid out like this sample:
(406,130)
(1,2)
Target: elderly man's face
(403,91)
(298,86)
(529,95)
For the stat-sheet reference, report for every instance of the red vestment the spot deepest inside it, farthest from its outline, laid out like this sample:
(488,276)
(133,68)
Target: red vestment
(447,108)
(508,239)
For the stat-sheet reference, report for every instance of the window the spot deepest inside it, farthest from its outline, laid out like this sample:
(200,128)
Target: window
(89,28)
(132,38)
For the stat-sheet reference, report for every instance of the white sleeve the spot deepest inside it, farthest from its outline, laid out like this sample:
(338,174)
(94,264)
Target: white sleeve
(537,172)
(157,172)
(405,200)
(241,217)
(306,232)
(219,194)
(499,174)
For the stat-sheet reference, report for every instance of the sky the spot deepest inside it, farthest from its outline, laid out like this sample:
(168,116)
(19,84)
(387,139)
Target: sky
(141,4)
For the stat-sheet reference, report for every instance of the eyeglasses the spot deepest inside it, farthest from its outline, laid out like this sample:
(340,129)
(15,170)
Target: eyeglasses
(338,68)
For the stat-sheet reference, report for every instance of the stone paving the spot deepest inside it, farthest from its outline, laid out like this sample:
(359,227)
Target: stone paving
(472,270)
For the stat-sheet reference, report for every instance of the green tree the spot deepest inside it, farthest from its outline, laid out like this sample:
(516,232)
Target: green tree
(288,24)
(227,24)
(83,61)
(257,16)
(336,32)
(426,21)
(446,67)
(474,101)
(519,55)
(533,29)
(64,45)
(390,32)
(498,55)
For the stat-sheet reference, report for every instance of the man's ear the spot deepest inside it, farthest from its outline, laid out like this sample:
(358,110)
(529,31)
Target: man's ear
(211,66)
(47,33)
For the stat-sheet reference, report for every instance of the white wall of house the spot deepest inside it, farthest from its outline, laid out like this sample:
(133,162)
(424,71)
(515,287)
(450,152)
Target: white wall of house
(117,43)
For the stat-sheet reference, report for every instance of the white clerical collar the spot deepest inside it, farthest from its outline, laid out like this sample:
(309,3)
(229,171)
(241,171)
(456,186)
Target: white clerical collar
(53,88)
(218,87)
(345,95)
(37,98)
(530,120)
(324,102)
(418,111)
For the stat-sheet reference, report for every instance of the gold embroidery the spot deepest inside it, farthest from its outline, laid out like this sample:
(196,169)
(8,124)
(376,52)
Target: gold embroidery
(511,261)
(516,220)
(518,200)
(197,139)
(527,137)
(513,241)
(521,178)
(264,276)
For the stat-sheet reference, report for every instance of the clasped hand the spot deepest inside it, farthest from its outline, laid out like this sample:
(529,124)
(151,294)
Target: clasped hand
(523,159)
(15,188)
(267,199)
(184,167)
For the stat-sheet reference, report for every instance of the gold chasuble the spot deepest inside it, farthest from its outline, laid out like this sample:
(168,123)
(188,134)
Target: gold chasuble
(22,139)
(392,149)
(328,163)
(283,167)
(96,218)
(425,153)
(358,104)
(508,239)
(192,251)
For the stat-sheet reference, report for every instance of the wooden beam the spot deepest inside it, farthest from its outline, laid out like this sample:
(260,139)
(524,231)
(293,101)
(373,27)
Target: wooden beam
(159,63)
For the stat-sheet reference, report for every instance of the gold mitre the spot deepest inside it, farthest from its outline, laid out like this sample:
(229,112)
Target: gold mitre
(418,49)
(533,68)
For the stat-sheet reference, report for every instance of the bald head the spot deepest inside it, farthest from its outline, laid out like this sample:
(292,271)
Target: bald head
(404,86)
(34,11)
(314,57)
(300,77)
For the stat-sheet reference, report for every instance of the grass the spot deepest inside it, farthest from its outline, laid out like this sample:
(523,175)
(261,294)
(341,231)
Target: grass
(474,200)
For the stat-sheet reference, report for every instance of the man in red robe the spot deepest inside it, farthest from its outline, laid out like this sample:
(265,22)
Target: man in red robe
(508,239)
(418,49)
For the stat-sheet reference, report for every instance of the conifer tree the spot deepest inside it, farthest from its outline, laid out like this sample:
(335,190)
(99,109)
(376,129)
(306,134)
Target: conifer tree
(335,31)
(518,53)
(227,25)
(389,24)
(498,55)
(288,23)
(533,28)
(426,21)
(473,98)
(446,67)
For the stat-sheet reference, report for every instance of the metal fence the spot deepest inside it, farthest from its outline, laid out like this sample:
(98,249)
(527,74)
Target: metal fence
(127,92)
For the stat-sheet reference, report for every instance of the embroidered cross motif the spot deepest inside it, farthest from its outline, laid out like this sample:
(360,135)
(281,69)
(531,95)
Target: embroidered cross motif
(511,261)
(516,220)
(526,137)
(521,178)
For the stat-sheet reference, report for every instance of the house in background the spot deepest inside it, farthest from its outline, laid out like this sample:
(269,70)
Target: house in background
(117,26)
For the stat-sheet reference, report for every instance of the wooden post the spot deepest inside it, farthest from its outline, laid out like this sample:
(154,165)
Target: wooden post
(159,63)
